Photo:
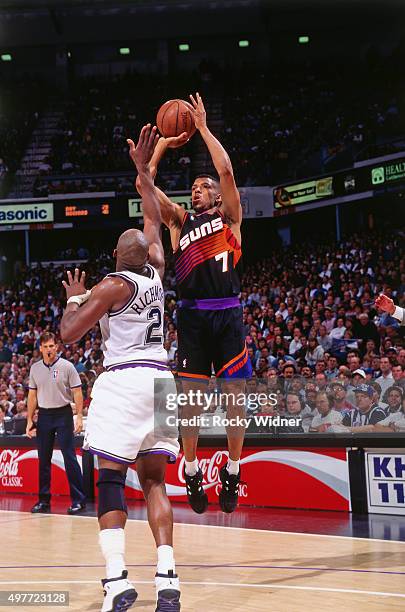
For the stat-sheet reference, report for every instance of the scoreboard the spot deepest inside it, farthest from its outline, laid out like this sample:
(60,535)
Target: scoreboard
(87,210)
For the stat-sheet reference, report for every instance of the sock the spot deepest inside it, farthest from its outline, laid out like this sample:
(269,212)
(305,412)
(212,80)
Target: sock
(164,565)
(112,543)
(233,466)
(165,559)
(191,467)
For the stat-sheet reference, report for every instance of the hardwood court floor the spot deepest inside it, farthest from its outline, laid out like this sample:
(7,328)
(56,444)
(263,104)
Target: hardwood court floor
(222,569)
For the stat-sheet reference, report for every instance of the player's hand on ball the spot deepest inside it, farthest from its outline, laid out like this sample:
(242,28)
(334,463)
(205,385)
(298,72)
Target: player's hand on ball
(173,142)
(141,154)
(199,116)
(383,302)
(75,284)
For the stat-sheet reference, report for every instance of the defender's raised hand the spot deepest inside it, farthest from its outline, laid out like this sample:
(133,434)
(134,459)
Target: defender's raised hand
(75,285)
(141,154)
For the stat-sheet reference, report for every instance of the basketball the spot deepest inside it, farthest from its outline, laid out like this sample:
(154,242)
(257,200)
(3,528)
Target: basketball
(175,117)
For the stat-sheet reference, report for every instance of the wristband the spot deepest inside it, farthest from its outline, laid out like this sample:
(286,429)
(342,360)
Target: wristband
(79,299)
(398,313)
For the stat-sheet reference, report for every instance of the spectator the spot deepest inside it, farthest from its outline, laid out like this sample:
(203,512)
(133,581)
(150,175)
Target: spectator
(339,398)
(366,412)
(326,415)
(294,406)
(393,397)
(314,353)
(386,379)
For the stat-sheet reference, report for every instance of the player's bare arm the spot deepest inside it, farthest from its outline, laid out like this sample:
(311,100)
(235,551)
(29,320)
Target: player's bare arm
(110,294)
(172,213)
(230,195)
(141,155)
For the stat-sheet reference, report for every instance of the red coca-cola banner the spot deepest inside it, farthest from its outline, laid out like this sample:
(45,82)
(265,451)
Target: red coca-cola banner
(284,478)
(19,471)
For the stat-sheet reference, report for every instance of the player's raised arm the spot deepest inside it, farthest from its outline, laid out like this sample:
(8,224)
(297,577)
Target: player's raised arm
(142,155)
(172,213)
(220,158)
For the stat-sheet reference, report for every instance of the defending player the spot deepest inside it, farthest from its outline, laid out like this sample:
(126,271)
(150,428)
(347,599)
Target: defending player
(207,251)
(120,427)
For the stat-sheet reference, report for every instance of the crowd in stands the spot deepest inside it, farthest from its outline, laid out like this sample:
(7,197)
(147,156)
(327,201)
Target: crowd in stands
(300,121)
(313,334)
(20,105)
(284,122)
(99,116)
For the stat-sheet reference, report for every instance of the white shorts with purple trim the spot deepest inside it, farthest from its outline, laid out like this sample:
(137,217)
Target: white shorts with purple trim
(120,424)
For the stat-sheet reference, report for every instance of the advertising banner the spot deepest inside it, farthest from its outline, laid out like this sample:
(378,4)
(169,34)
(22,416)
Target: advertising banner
(385,474)
(26,213)
(283,478)
(19,471)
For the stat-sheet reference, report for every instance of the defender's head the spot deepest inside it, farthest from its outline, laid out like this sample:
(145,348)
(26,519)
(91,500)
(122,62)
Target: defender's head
(132,250)
(205,193)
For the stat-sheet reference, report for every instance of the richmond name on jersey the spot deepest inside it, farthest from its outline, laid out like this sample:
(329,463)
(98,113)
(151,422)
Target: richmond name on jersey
(135,332)
(207,258)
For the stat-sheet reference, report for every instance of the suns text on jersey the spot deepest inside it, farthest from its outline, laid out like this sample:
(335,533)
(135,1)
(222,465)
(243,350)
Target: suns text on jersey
(209,227)
(154,294)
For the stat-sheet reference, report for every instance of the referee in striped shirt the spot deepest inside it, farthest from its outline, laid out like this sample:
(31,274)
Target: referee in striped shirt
(54,384)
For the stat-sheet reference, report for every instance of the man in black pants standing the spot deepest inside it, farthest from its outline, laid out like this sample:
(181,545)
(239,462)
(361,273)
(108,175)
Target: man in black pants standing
(54,383)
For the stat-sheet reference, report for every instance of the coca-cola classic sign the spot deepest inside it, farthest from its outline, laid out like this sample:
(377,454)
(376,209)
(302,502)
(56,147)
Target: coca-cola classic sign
(19,471)
(285,478)
(9,468)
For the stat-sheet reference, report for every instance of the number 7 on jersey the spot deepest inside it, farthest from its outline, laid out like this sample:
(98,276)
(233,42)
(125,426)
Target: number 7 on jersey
(224,257)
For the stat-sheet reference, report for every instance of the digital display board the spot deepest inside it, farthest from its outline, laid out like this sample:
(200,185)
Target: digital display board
(343,183)
(87,210)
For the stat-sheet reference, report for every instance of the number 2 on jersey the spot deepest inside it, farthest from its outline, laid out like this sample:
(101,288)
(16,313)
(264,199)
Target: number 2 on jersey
(154,315)
(224,257)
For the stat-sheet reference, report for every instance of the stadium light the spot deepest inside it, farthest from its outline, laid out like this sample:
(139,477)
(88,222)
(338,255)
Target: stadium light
(125,51)
(243,44)
(184,47)
(303,40)
(6,57)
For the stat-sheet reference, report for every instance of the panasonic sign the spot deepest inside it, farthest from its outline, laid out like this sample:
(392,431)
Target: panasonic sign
(26,213)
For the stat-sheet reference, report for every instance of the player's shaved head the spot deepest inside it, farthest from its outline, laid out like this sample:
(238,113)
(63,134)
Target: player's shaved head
(132,250)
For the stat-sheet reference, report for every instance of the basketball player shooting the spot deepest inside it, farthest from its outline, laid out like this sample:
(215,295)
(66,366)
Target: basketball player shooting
(129,304)
(207,251)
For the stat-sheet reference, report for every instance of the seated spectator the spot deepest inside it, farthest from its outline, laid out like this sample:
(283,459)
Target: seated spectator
(324,339)
(366,411)
(331,370)
(338,393)
(326,416)
(294,407)
(386,379)
(395,421)
(314,353)
(393,398)
(398,374)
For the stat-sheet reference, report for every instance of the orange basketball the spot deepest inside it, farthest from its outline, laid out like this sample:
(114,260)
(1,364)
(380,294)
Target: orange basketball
(175,117)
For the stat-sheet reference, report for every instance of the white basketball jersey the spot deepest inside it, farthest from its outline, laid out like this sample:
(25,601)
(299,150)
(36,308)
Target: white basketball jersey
(135,332)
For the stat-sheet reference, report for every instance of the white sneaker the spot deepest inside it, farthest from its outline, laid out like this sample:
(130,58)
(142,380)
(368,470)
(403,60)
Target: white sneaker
(119,594)
(168,592)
